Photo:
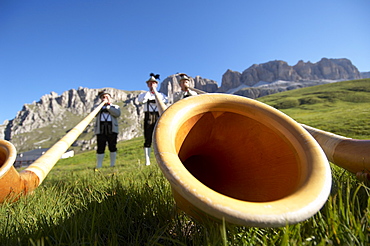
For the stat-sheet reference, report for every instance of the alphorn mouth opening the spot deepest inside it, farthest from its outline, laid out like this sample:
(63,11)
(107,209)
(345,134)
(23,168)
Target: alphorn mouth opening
(239,156)
(3,156)
(240,160)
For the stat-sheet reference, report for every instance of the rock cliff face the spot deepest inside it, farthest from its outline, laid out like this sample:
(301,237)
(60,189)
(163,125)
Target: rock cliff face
(230,80)
(43,123)
(324,70)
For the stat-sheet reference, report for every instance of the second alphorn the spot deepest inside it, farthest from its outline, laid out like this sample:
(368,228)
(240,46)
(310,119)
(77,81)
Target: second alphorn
(14,184)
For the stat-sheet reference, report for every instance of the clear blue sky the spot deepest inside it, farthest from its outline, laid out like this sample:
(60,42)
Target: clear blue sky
(51,45)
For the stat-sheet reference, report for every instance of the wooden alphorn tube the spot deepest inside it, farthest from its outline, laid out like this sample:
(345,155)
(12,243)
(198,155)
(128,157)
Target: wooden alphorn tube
(14,184)
(233,158)
(350,154)
(160,104)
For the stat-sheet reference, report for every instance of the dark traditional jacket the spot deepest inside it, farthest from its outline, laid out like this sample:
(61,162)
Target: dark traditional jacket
(115,112)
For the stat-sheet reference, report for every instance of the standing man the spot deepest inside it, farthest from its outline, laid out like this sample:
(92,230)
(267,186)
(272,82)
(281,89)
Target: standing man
(151,113)
(185,91)
(106,129)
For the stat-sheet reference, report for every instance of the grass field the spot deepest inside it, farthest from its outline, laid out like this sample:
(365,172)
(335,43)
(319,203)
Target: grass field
(341,108)
(132,204)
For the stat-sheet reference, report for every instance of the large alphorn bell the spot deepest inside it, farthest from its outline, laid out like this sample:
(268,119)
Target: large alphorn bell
(350,154)
(14,184)
(233,158)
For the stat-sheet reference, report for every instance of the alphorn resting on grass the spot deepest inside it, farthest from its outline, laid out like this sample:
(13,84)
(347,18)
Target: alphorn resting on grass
(236,159)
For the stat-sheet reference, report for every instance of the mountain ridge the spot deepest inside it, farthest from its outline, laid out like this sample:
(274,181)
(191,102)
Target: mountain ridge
(303,72)
(41,123)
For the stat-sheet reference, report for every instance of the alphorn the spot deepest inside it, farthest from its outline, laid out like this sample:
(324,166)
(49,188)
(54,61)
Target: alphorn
(236,159)
(350,154)
(14,184)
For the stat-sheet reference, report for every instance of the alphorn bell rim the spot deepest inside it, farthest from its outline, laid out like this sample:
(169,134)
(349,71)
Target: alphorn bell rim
(8,150)
(297,207)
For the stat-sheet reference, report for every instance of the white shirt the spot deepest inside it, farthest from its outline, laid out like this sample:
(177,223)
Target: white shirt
(148,96)
(105,116)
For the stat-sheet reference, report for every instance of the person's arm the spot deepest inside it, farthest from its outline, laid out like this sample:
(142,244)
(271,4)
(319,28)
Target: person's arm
(143,97)
(114,110)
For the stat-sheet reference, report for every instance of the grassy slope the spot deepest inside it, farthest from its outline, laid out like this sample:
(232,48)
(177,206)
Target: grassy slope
(342,108)
(132,204)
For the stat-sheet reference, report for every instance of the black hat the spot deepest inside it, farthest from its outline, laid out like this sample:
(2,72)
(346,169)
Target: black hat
(103,92)
(153,78)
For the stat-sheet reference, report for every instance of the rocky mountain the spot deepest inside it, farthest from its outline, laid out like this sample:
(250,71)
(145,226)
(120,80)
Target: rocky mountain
(276,76)
(42,123)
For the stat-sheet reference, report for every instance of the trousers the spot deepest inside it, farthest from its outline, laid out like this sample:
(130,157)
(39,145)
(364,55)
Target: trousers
(103,139)
(150,119)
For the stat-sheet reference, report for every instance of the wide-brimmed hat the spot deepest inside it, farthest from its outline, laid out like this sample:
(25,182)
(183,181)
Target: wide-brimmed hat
(103,92)
(184,76)
(153,78)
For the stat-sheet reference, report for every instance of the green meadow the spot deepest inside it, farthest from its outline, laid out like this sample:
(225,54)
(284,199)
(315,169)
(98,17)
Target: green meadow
(132,204)
(342,108)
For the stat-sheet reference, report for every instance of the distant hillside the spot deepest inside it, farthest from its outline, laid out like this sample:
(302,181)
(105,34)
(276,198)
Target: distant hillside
(342,107)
